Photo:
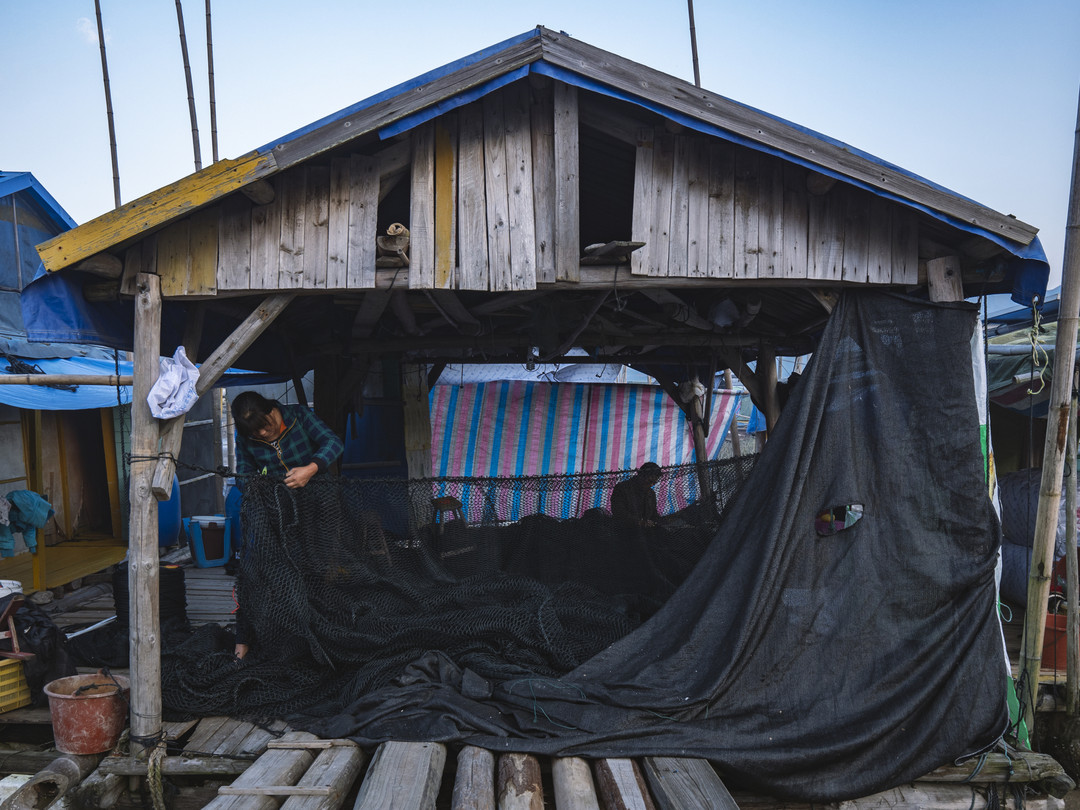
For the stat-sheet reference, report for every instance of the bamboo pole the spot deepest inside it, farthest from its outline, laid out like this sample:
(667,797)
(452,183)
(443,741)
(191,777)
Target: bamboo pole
(1053,451)
(210,76)
(65,379)
(736,446)
(1072,587)
(190,88)
(143,562)
(108,106)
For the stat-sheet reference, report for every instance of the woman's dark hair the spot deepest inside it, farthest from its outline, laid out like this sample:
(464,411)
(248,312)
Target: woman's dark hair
(250,410)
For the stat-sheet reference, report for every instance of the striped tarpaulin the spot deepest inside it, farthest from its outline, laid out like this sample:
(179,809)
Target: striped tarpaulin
(515,428)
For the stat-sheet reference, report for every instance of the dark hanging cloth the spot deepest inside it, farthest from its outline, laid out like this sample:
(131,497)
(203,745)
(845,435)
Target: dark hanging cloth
(808,657)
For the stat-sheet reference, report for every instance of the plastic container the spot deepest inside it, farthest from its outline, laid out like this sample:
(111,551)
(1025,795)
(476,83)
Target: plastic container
(169,517)
(89,712)
(209,539)
(14,691)
(233,503)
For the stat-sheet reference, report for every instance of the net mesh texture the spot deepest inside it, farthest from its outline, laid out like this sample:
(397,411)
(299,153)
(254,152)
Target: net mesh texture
(343,584)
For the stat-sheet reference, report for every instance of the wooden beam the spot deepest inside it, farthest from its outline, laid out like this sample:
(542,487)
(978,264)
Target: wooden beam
(143,570)
(944,278)
(766,376)
(210,372)
(153,210)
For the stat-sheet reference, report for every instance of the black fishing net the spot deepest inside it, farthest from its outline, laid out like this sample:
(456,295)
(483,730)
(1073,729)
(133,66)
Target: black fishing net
(345,583)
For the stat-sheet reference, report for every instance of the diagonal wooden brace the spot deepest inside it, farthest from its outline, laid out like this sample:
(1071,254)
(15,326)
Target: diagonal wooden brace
(172,431)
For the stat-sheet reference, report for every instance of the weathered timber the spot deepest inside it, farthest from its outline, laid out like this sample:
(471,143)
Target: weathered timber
(686,784)
(474,783)
(403,775)
(944,278)
(682,97)
(496,195)
(100,790)
(567,191)
(51,782)
(422,209)
(335,769)
(574,789)
(153,210)
(275,767)
(518,783)
(472,271)
(143,557)
(102,264)
(621,785)
(260,192)
(178,766)
(446,190)
(519,185)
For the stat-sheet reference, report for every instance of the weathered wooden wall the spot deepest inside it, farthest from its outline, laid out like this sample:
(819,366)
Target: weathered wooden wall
(494,205)
(709,208)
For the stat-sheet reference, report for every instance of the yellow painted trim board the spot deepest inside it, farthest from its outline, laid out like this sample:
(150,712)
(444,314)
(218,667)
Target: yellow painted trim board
(154,209)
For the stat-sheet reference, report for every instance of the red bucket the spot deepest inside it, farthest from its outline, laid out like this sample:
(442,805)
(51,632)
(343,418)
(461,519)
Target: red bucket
(89,712)
(1055,640)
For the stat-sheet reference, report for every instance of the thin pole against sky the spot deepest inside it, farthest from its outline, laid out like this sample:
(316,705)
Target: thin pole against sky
(210,73)
(108,106)
(190,89)
(693,43)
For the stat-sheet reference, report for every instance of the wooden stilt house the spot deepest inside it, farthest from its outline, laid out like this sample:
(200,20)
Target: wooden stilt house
(534,197)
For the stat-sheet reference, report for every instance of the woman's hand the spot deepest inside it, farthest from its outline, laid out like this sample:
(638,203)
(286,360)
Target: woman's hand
(298,477)
(240,651)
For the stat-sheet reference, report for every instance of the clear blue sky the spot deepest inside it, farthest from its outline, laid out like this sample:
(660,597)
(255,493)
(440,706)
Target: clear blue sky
(980,97)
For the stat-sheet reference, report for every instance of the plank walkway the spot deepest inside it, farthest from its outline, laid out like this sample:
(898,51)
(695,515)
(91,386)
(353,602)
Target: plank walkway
(272,767)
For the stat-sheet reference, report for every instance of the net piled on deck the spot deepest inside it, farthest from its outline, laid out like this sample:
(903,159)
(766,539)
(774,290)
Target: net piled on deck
(344,584)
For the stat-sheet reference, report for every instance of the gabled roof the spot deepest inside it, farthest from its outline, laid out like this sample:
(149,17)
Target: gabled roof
(15,182)
(559,56)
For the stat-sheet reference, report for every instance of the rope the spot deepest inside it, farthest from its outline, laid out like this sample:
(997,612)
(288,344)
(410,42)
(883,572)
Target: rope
(153,775)
(1037,349)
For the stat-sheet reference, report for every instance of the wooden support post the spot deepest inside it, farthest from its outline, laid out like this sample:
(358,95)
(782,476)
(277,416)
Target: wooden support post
(1053,450)
(172,431)
(519,783)
(736,442)
(766,375)
(143,571)
(573,782)
(474,784)
(417,413)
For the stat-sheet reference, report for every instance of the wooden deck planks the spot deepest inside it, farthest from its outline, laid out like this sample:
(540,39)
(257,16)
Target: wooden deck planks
(403,776)
(686,784)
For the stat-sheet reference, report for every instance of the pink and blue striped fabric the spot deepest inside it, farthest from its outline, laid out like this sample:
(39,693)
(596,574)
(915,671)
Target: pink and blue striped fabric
(516,428)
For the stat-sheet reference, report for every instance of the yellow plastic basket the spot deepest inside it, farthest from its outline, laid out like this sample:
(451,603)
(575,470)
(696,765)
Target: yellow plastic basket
(14,691)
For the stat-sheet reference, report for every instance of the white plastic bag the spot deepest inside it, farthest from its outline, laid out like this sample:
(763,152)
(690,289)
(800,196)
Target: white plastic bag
(174,392)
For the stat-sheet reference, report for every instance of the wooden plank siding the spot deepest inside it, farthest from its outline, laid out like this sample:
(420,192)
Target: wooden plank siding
(708,209)
(494,206)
